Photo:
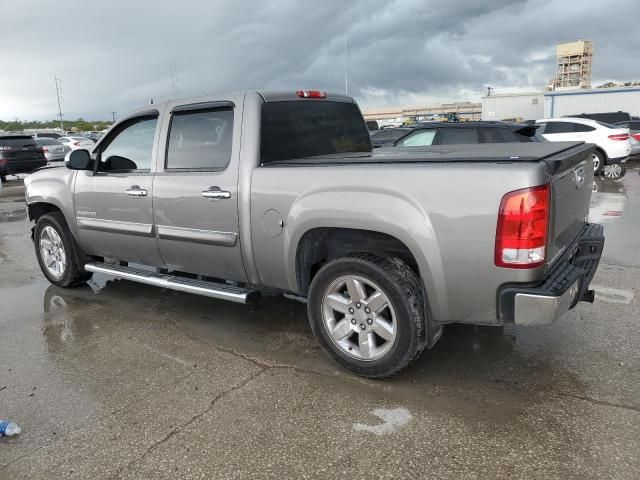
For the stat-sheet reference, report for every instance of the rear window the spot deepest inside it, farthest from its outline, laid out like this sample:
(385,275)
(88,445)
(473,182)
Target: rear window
(47,141)
(457,136)
(301,129)
(17,141)
(495,135)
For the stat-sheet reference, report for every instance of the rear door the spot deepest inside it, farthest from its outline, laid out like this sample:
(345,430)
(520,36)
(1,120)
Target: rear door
(196,189)
(113,204)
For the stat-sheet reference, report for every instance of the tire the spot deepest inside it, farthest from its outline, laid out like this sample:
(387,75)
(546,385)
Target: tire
(613,171)
(598,162)
(58,255)
(3,179)
(401,321)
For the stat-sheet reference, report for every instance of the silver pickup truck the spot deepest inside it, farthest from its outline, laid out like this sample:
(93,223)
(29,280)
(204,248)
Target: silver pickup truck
(279,192)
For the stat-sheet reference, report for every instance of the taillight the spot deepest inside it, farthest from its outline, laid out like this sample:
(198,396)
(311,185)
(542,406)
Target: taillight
(311,94)
(45,149)
(523,224)
(636,136)
(619,136)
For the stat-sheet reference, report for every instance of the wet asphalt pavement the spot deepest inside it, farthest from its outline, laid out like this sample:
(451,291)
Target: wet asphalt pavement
(121,380)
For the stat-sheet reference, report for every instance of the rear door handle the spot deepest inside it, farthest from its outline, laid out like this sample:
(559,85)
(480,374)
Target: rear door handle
(216,194)
(136,191)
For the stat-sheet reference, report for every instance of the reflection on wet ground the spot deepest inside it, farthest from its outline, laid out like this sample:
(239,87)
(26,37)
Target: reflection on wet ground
(121,380)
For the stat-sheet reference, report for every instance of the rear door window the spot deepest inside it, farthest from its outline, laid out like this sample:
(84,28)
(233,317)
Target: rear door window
(200,140)
(421,138)
(558,127)
(496,135)
(579,127)
(457,136)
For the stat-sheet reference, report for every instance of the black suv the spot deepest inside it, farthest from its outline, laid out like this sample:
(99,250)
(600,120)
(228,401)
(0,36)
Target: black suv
(19,154)
(456,133)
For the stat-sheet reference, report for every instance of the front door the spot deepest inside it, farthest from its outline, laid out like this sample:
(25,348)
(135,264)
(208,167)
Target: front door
(196,191)
(113,204)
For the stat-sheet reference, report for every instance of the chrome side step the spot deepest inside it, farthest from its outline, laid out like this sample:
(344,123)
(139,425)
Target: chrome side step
(199,287)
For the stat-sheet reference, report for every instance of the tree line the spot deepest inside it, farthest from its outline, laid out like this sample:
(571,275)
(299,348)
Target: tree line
(79,125)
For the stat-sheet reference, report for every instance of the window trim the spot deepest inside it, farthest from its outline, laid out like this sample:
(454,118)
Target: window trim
(117,130)
(198,108)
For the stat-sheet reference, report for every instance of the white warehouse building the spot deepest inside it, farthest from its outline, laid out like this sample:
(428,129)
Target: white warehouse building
(560,103)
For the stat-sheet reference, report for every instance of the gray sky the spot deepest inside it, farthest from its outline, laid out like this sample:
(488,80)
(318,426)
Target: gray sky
(115,55)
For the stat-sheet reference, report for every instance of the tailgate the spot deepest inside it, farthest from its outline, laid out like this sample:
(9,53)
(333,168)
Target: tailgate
(571,186)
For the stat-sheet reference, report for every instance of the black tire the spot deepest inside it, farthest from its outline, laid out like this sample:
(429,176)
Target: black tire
(601,162)
(3,179)
(404,290)
(73,273)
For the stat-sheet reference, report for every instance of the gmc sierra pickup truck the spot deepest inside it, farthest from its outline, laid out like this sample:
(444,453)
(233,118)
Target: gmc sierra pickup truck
(280,192)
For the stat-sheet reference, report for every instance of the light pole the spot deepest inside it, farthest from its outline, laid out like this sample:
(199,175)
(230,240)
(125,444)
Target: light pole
(58,89)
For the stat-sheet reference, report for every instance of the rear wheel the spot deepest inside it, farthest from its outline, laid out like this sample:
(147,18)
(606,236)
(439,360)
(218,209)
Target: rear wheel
(368,314)
(614,171)
(598,162)
(57,252)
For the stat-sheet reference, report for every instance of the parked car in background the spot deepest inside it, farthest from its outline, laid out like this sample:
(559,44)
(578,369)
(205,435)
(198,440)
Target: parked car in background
(606,117)
(54,151)
(459,133)
(19,154)
(386,136)
(77,142)
(634,135)
(613,146)
(46,135)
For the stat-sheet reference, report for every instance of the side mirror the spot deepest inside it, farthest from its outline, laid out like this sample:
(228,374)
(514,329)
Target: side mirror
(78,160)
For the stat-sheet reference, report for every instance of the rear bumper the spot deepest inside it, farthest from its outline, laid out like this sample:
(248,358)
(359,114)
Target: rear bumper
(563,287)
(8,166)
(612,161)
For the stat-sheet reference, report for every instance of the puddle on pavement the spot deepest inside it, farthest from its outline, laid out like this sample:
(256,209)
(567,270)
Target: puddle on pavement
(608,200)
(13,215)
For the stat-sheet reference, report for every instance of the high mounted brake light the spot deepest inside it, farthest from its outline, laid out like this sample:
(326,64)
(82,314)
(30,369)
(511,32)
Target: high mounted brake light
(523,225)
(311,94)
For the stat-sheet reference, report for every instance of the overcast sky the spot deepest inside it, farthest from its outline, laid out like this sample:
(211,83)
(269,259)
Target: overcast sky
(115,55)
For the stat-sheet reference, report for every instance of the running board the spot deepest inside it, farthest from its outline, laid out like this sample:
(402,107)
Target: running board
(199,287)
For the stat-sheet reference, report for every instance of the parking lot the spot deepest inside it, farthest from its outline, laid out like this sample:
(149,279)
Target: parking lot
(121,380)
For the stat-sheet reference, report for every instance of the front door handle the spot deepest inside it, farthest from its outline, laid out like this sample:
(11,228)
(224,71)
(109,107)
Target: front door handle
(136,191)
(216,194)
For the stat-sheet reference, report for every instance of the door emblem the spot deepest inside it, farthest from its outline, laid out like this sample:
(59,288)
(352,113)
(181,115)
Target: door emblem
(578,176)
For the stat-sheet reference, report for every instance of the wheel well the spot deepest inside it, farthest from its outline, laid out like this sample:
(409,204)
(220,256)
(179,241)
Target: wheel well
(603,153)
(320,245)
(36,210)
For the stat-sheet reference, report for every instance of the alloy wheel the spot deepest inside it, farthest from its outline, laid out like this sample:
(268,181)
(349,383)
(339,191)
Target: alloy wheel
(52,252)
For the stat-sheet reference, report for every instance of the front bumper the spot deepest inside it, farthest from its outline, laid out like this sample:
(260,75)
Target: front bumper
(564,286)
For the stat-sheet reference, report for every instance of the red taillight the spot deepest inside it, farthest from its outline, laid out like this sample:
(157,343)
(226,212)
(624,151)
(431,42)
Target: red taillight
(45,149)
(311,94)
(636,136)
(523,223)
(76,143)
(619,136)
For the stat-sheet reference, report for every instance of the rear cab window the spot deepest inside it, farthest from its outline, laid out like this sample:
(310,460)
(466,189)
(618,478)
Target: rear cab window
(457,136)
(302,129)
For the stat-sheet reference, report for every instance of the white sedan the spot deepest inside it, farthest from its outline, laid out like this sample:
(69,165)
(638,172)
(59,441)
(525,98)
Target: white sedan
(75,143)
(612,142)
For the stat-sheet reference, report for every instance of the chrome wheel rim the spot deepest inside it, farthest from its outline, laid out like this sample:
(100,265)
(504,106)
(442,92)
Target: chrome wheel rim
(359,318)
(54,258)
(613,171)
(596,162)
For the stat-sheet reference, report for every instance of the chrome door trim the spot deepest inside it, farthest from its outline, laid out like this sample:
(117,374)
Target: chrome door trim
(114,226)
(209,237)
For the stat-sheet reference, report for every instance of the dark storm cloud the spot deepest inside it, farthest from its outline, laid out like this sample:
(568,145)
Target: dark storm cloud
(116,55)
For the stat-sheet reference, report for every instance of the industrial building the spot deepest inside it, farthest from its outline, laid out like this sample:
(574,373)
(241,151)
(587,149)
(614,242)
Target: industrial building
(396,116)
(560,103)
(573,65)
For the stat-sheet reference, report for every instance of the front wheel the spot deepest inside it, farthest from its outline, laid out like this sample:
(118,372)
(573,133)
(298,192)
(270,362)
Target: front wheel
(368,314)
(598,161)
(57,252)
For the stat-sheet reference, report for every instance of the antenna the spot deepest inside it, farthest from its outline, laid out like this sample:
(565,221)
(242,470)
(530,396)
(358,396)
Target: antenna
(346,71)
(58,90)
(113,114)
(174,81)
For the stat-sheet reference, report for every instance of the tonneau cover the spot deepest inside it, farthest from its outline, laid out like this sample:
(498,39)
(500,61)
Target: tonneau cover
(559,156)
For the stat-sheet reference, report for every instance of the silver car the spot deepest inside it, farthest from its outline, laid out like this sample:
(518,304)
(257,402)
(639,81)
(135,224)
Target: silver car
(77,142)
(54,151)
